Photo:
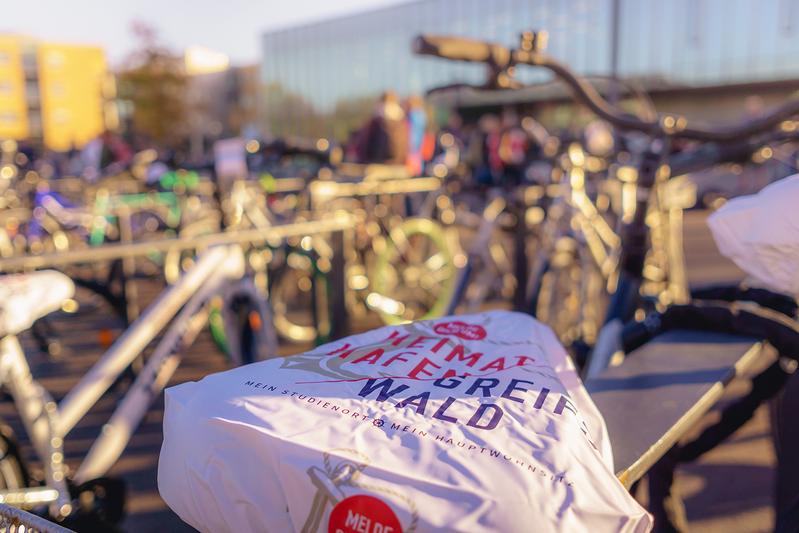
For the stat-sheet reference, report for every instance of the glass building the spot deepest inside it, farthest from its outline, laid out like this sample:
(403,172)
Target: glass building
(321,78)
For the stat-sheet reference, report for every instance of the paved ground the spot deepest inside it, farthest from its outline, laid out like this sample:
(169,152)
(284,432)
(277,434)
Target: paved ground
(728,491)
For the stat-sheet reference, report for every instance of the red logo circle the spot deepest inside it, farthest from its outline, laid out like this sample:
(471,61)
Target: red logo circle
(363,514)
(469,332)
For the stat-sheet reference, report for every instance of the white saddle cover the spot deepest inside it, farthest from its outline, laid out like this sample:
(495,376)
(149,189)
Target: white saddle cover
(760,233)
(24,298)
(475,423)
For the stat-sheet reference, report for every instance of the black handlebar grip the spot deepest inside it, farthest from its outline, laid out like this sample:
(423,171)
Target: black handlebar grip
(461,49)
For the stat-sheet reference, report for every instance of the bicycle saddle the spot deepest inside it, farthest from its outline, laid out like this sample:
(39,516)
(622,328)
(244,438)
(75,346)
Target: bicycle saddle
(24,298)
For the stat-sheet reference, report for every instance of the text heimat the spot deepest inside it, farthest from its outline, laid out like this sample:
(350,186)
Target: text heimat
(425,357)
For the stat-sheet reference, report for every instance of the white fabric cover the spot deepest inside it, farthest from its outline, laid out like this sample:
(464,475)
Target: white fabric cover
(24,298)
(760,233)
(305,443)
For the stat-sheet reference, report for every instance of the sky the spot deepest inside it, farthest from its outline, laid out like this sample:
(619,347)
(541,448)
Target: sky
(230,26)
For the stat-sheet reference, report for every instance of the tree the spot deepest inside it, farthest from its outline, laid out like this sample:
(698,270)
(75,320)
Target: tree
(288,113)
(154,81)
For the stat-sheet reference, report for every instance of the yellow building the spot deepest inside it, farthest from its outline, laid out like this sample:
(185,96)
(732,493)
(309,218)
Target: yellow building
(13,101)
(71,92)
(56,93)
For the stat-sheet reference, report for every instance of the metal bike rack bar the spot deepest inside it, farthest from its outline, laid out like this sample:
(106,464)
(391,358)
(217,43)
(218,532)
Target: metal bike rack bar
(339,323)
(339,222)
(129,288)
(325,190)
(374,171)
(279,185)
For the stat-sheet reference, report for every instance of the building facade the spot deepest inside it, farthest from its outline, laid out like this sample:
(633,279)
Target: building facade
(321,78)
(223,104)
(60,95)
(17,86)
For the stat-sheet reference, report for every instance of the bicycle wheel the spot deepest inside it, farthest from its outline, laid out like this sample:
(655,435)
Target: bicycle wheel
(13,473)
(569,294)
(293,298)
(176,262)
(414,273)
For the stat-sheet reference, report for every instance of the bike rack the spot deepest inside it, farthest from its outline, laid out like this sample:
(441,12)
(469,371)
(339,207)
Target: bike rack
(335,225)
(323,191)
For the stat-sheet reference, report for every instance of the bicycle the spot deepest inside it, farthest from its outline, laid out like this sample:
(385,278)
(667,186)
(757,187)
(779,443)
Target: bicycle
(655,164)
(183,306)
(574,213)
(752,313)
(400,268)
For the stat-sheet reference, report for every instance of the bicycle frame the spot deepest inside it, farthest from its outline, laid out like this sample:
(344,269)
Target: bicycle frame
(634,241)
(484,248)
(48,423)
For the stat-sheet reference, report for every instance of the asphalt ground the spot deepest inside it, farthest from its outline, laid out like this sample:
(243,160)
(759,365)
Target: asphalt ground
(728,490)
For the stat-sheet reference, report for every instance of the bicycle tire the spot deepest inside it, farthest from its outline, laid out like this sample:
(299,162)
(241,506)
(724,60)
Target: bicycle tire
(390,255)
(13,470)
(296,280)
(568,294)
(175,261)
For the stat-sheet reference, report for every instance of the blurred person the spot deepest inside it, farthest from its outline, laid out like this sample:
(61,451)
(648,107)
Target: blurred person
(351,146)
(450,144)
(115,150)
(754,106)
(482,152)
(105,154)
(454,127)
(384,139)
(512,148)
(541,146)
(598,138)
(417,127)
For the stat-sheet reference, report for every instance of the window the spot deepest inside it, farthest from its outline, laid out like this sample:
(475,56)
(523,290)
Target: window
(57,89)
(54,59)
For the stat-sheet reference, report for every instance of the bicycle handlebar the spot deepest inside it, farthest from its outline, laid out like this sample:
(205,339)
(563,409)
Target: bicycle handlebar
(462,49)
(740,151)
(501,58)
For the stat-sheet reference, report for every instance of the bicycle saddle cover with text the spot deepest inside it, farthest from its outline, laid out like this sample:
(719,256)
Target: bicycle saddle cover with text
(24,298)
(475,423)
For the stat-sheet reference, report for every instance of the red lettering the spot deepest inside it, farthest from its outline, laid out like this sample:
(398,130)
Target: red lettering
(417,343)
(398,357)
(440,344)
(496,364)
(371,358)
(397,338)
(342,352)
(460,352)
(420,368)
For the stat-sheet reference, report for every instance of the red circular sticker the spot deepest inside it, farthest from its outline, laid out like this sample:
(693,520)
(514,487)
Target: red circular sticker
(363,514)
(469,332)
